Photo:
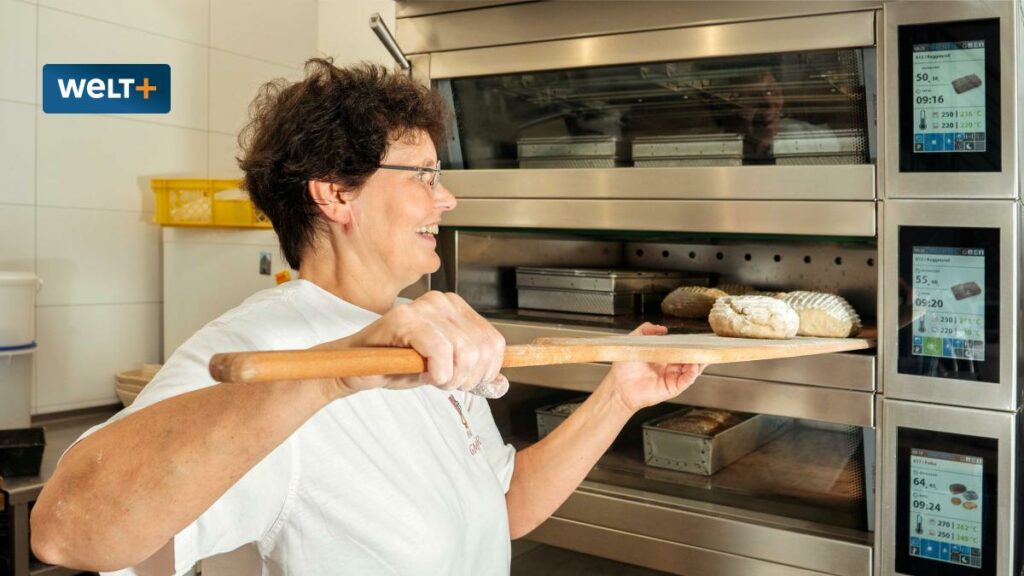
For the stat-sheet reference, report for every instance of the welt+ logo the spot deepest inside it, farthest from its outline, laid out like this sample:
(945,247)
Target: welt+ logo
(106,88)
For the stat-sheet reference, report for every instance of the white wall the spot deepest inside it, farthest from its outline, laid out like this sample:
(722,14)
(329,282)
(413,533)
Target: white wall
(344,30)
(75,204)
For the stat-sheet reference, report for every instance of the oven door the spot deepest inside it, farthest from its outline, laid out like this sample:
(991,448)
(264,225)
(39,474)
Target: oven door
(737,112)
(949,490)
(951,284)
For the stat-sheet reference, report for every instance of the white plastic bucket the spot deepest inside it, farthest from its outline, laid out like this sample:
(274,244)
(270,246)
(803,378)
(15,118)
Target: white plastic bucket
(18,308)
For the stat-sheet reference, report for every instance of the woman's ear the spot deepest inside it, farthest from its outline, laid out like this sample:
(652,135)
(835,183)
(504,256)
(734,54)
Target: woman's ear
(330,198)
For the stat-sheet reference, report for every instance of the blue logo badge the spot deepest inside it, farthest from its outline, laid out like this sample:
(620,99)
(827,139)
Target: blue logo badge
(106,88)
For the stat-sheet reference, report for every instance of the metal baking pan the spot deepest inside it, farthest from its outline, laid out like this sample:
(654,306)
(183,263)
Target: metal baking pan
(821,147)
(549,417)
(595,291)
(602,280)
(705,455)
(689,150)
(572,152)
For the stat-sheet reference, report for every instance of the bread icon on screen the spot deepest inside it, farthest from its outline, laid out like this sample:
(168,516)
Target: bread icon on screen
(966,290)
(965,83)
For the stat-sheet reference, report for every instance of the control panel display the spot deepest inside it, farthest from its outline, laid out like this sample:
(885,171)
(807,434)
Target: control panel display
(949,96)
(947,497)
(948,302)
(949,295)
(946,507)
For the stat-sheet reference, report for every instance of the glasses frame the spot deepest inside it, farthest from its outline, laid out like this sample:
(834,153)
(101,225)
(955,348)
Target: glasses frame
(435,172)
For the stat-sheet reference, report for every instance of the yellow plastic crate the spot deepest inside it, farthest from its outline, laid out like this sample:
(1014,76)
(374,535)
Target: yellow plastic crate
(197,202)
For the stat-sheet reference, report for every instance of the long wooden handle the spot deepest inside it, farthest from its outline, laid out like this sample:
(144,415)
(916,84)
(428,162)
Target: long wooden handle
(314,364)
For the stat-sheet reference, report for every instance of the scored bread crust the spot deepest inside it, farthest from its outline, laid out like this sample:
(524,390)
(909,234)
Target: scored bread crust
(690,301)
(753,317)
(735,288)
(824,315)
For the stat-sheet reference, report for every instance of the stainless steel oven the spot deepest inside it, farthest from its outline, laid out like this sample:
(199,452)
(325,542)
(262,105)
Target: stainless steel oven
(867,149)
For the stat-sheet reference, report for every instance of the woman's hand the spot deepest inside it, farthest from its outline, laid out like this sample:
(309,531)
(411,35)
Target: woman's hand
(462,349)
(639,384)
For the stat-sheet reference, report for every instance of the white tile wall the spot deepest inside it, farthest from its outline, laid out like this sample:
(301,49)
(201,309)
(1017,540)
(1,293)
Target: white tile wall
(189,253)
(344,30)
(75,202)
(97,257)
(62,39)
(17,238)
(18,143)
(281,31)
(234,81)
(223,151)
(181,19)
(18,51)
(82,347)
(79,169)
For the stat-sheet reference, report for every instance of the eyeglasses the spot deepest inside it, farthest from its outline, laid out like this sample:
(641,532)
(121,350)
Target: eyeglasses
(428,176)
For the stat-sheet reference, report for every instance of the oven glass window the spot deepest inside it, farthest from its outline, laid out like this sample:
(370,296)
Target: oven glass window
(949,302)
(794,108)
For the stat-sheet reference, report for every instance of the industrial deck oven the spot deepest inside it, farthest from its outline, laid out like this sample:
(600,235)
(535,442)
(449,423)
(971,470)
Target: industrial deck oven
(868,149)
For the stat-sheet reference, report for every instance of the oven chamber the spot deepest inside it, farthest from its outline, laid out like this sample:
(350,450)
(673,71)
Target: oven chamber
(749,142)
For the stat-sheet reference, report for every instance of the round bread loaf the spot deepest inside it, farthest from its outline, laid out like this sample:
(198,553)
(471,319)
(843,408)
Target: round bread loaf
(753,317)
(690,301)
(823,315)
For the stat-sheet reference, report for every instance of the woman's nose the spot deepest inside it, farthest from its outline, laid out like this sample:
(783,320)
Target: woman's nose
(443,199)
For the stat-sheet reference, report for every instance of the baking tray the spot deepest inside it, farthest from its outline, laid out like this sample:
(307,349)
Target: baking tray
(689,150)
(705,455)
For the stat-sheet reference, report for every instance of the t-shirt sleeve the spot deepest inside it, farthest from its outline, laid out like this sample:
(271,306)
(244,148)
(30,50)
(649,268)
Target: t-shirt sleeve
(250,510)
(500,456)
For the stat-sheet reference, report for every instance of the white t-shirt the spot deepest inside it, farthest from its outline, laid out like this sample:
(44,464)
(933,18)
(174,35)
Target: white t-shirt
(381,482)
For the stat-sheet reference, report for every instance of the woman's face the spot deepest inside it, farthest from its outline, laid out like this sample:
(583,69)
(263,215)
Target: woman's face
(396,214)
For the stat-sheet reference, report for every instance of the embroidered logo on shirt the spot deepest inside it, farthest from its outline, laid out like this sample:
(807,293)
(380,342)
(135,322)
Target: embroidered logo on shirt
(475,443)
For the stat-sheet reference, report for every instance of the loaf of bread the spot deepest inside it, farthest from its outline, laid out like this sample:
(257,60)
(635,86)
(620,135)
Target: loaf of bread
(770,294)
(702,421)
(823,315)
(690,301)
(753,317)
(735,288)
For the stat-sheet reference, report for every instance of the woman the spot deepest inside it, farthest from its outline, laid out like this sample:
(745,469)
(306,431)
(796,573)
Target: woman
(372,475)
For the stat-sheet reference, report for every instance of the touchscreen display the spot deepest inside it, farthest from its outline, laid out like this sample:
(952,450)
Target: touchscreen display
(949,96)
(948,302)
(946,507)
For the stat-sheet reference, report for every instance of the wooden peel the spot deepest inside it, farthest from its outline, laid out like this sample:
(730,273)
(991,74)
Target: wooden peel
(677,349)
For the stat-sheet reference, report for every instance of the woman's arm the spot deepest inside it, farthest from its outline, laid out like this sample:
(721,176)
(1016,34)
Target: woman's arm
(122,493)
(546,473)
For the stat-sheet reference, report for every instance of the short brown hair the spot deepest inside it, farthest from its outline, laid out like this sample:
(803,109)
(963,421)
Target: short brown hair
(335,125)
